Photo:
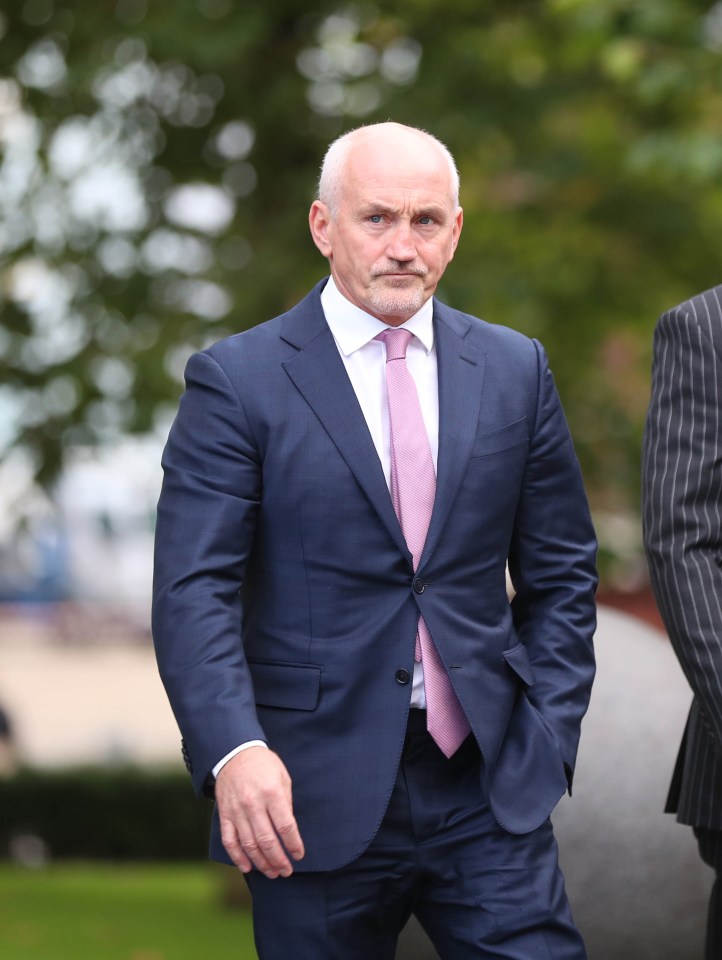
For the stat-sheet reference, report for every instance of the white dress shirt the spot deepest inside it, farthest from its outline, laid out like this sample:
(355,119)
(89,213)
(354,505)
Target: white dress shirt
(365,362)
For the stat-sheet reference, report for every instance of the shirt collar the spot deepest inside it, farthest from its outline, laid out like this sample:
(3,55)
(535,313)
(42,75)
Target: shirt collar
(353,328)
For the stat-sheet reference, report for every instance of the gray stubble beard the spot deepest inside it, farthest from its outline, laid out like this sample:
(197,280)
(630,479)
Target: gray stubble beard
(390,302)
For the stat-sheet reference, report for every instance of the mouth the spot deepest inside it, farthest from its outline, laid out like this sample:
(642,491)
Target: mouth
(399,275)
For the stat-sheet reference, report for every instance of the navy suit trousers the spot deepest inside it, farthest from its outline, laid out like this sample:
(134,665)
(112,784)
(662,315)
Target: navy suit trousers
(478,891)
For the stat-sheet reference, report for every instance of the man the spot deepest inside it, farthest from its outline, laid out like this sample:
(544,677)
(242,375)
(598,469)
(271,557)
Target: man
(682,511)
(385,734)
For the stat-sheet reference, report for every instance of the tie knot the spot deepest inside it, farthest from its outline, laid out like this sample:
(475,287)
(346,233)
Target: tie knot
(396,343)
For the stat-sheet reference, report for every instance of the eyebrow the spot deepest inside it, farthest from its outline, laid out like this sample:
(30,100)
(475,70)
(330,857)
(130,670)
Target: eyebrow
(434,210)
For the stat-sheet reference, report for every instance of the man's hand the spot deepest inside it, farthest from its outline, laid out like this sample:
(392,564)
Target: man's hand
(253,793)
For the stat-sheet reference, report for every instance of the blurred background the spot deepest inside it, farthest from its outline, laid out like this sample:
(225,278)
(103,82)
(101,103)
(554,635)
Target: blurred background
(157,160)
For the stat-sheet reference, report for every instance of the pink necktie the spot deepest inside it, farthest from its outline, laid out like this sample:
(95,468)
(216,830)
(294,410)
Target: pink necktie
(413,488)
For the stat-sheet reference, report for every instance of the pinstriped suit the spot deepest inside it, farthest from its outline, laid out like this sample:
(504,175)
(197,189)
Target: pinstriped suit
(682,521)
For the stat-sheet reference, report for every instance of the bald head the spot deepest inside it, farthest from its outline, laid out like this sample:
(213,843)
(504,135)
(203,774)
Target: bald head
(392,143)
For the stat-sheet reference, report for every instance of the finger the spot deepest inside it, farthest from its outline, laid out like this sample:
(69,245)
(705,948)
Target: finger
(247,849)
(232,846)
(286,828)
(261,844)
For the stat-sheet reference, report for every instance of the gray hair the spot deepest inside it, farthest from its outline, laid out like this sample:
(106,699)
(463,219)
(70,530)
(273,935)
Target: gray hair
(330,182)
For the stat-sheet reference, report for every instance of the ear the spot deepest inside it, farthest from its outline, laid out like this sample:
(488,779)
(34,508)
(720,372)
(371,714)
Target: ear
(458,224)
(319,220)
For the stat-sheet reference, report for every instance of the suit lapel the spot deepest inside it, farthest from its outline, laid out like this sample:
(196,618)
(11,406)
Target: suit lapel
(461,377)
(319,374)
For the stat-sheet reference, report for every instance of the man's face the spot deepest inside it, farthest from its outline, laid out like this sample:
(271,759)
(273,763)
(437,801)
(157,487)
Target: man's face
(396,227)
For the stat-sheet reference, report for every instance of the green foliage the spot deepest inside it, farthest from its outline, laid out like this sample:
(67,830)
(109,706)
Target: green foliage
(117,814)
(587,133)
(96,911)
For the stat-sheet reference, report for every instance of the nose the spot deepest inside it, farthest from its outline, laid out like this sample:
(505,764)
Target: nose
(401,246)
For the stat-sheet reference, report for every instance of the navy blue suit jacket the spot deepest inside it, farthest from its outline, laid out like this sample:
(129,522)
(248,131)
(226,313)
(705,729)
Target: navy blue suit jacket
(285,603)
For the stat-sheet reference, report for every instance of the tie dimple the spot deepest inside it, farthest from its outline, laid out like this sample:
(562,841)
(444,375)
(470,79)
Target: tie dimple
(413,489)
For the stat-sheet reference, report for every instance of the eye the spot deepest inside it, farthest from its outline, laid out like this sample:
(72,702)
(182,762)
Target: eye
(426,221)
(376,218)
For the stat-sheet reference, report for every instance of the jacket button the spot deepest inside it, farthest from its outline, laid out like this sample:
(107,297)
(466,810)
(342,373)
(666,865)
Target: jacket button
(419,586)
(402,676)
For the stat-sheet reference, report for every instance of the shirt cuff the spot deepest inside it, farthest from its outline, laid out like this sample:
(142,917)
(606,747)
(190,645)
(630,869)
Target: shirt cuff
(229,756)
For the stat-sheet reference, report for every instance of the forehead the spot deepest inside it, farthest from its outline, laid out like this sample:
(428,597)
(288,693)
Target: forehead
(402,176)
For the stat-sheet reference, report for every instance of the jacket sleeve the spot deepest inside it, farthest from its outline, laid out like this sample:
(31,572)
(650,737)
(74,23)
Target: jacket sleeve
(206,519)
(682,494)
(552,565)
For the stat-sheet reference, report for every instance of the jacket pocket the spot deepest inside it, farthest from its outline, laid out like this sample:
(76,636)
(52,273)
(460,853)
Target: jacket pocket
(518,660)
(293,686)
(502,439)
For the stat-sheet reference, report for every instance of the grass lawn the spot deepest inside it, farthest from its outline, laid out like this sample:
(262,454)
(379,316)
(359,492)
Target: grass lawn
(100,911)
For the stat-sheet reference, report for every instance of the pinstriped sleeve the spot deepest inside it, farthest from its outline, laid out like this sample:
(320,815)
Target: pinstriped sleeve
(682,493)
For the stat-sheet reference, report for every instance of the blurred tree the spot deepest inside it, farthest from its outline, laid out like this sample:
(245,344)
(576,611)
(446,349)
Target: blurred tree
(158,158)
